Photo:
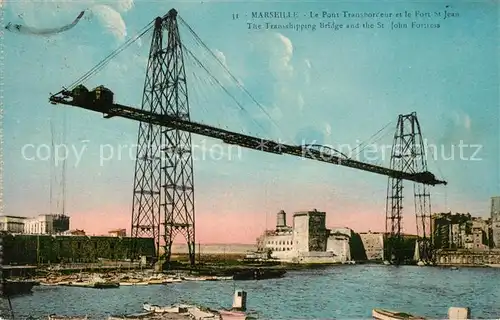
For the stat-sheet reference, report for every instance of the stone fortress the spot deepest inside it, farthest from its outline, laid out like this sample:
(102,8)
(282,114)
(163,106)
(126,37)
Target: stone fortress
(307,240)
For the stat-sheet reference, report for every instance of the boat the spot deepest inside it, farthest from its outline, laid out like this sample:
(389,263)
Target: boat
(14,287)
(232,315)
(157,281)
(492,265)
(136,316)
(106,285)
(56,317)
(382,314)
(259,274)
(159,309)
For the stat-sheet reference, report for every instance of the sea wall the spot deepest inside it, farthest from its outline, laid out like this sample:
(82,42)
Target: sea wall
(30,249)
(468,257)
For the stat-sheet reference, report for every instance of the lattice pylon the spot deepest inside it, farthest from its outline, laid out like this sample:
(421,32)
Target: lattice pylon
(163,203)
(408,155)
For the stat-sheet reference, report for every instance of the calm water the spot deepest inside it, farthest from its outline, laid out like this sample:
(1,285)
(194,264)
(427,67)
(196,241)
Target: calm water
(337,292)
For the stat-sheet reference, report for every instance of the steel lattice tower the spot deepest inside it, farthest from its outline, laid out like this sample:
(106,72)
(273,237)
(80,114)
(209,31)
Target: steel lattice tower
(163,199)
(408,155)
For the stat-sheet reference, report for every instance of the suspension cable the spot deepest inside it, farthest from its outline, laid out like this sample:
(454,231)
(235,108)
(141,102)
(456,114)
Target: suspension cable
(113,54)
(237,82)
(367,140)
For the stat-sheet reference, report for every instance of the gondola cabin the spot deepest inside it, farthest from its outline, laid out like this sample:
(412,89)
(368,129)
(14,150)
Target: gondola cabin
(103,96)
(80,94)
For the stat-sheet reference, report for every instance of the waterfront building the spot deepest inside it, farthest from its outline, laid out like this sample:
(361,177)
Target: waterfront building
(495,208)
(76,232)
(47,224)
(12,224)
(461,231)
(306,241)
(450,231)
(495,221)
(373,243)
(495,231)
(117,233)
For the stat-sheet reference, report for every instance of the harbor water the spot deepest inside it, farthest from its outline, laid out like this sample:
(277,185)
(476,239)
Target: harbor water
(333,293)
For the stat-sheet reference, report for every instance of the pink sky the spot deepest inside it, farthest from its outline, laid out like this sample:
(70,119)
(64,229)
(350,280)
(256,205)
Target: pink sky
(241,212)
(241,227)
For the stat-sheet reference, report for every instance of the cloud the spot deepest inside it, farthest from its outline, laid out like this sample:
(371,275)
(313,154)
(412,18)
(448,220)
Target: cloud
(457,126)
(308,63)
(270,59)
(307,73)
(273,111)
(121,5)
(281,52)
(467,122)
(221,57)
(309,135)
(300,101)
(328,129)
(461,120)
(111,20)
(220,72)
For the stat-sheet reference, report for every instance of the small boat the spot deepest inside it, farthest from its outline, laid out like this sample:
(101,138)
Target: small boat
(232,315)
(156,281)
(203,313)
(56,317)
(193,278)
(158,309)
(13,287)
(135,316)
(258,274)
(106,285)
(382,314)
